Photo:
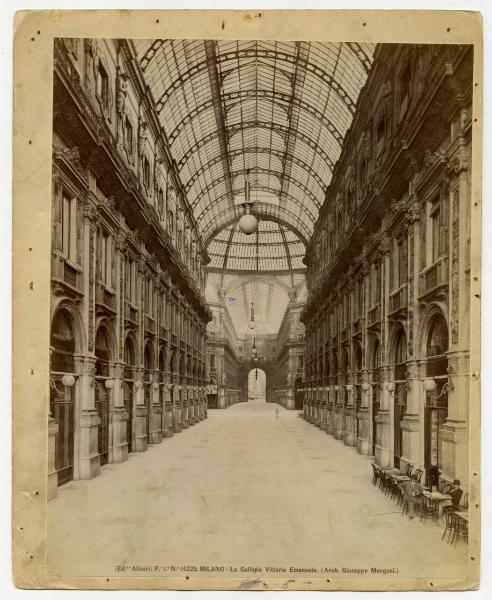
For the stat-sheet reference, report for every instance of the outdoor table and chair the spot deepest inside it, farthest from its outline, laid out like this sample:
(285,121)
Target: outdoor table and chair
(431,502)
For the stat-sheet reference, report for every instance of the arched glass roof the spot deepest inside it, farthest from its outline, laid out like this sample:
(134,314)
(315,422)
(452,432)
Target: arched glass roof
(269,300)
(277,109)
(272,248)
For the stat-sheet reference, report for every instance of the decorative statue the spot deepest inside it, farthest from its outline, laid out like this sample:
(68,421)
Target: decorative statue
(142,137)
(121,93)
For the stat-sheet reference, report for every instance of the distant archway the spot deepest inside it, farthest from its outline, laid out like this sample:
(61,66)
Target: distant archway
(257,385)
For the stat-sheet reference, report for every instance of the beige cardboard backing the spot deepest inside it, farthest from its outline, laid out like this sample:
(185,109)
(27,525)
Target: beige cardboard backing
(34,33)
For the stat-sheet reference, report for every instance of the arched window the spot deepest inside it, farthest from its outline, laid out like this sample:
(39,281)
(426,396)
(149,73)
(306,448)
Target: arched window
(61,397)
(437,342)
(148,357)
(436,408)
(129,353)
(401,348)
(102,352)
(400,395)
(63,343)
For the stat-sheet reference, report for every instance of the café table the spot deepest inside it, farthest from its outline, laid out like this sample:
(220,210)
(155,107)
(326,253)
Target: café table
(441,499)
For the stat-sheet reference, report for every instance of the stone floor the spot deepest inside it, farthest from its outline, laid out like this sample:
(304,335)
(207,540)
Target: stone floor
(243,488)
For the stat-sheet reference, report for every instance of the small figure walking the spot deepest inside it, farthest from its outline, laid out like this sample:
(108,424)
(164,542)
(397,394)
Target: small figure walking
(276,412)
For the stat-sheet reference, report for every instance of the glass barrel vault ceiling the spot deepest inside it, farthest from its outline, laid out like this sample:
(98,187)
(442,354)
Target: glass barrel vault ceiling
(272,248)
(277,109)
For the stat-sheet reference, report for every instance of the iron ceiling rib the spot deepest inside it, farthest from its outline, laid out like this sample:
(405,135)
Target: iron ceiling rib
(286,244)
(264,171)
(267,211)
(228,247)
(213,75)
(364,59)
(271,95)
(275,55)
(293,119)
(150,53)
(281,130)
(256,150)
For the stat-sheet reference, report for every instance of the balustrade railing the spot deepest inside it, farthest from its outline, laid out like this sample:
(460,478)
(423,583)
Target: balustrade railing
(434,277)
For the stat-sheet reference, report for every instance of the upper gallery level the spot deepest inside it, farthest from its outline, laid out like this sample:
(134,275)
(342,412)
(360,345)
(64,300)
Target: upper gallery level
(103,113)
(411,115)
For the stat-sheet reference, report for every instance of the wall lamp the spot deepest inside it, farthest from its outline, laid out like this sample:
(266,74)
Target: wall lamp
(430,386)
(67,381)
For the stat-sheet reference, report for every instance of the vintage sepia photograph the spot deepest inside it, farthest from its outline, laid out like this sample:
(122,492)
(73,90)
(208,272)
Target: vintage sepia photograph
(259,310)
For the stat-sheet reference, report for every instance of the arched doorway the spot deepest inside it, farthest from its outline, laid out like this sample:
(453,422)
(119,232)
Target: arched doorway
(162,386)
(436,406)
(340,422)
(257,385)
(129,391)
(376,393)
(62,397)
(357,387)
(102,394)
(400,394)
(147,384)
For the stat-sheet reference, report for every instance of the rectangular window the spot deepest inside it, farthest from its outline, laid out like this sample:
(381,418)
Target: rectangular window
(402,260)
(102,84)
(128,136)
(435,232)
(162,314)
(106,259)
(160,203)
(212,361)
(393,265)
(132,282)
(69,227)
(150,296)
(375,284)
(146,172)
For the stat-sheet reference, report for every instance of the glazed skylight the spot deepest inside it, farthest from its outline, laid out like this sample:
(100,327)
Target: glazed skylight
(278,109)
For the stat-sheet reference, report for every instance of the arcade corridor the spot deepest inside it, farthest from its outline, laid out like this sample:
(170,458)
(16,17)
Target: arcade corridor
(246,508)
(227,207)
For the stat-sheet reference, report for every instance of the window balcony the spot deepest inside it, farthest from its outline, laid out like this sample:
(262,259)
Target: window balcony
(434,280)
(105,300)
(149,325)
(374,316)
(357,327)
(67,277)
(131,314)
(398,301)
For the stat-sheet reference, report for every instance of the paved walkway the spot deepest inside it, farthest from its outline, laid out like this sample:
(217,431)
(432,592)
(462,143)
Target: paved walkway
(242,488)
